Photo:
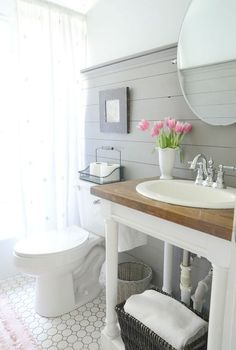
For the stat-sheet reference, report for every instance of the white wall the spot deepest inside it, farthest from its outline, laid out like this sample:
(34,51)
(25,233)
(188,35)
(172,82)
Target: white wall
(118,28)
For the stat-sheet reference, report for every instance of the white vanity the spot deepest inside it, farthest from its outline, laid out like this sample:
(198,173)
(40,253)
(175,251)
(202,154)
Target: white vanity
(206,232)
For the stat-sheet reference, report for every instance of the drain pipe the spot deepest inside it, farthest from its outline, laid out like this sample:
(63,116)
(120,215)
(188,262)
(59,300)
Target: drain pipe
(185,278)
(202,289)
(167,268)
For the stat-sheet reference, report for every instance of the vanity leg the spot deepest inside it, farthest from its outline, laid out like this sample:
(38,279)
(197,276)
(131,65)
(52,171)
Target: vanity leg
(167,268)
(111,228)
(217,307)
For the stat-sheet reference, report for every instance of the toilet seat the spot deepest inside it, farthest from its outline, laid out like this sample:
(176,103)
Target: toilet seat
(52,242)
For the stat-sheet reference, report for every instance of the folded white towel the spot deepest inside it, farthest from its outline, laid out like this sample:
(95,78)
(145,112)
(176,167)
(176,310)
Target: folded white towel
(167,317)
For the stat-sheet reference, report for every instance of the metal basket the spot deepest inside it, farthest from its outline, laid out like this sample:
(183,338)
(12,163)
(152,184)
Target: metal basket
(133,278)
(115,175)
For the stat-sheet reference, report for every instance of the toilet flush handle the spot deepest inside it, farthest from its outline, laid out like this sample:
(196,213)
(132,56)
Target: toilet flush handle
(97,201)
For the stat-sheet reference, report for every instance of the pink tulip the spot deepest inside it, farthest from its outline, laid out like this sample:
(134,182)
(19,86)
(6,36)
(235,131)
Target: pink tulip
(159,124)
(187,127)
(155,131)
(171,123)
(179,127)
(143,125)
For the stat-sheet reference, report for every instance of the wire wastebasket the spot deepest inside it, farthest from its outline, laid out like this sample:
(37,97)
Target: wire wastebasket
(133,278)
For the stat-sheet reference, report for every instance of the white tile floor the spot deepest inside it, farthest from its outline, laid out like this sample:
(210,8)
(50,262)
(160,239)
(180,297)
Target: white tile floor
(79,329)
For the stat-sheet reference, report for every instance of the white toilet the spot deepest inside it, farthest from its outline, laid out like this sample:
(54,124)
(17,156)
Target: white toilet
(66,263)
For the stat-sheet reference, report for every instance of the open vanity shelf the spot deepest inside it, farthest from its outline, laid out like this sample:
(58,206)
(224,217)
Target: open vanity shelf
(205,232)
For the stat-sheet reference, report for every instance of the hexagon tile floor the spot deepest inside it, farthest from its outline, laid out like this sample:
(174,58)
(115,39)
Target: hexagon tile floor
(79,329)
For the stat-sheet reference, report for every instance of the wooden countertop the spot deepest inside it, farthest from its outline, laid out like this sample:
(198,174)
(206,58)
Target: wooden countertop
(216,222)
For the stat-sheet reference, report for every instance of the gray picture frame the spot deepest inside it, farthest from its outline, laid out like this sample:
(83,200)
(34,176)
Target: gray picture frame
(113,109)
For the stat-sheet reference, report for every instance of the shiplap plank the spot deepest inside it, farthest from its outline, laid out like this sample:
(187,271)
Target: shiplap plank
(214,98)
(134,73)
(151,87)
(151,109)
(224,111)
(211,85)
(159,108)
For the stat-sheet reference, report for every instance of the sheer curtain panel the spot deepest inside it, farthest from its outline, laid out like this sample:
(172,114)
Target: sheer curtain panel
(11,217)
(51,45)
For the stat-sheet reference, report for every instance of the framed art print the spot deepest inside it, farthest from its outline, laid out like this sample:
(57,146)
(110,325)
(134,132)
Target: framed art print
(113,109)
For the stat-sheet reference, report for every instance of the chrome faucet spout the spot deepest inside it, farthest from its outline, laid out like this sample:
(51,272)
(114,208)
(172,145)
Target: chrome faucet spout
(196,160)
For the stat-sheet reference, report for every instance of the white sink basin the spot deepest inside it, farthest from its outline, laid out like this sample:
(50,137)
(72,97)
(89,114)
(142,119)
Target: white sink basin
(186,193)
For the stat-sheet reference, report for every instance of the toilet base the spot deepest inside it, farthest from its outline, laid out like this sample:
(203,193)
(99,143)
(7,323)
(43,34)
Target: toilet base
(59,293)
(54,294)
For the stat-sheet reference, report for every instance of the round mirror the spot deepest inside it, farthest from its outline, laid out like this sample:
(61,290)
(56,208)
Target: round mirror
(206,60)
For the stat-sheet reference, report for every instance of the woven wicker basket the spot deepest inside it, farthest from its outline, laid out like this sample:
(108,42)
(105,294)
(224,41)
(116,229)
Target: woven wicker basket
(133,278)
(136,336)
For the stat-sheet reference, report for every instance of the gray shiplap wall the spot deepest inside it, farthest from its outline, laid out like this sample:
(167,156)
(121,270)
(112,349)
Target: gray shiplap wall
(155,93)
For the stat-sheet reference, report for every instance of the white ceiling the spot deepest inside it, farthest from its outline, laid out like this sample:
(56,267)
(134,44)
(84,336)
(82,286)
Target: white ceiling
(81,6)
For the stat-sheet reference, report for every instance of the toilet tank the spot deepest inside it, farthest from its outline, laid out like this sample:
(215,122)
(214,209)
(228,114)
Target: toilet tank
(90,209)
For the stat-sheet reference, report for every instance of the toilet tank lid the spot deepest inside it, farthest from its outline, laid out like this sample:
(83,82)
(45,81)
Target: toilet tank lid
(53,241)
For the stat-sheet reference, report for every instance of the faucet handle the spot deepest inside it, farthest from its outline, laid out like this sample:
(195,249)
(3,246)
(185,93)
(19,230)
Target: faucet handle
(220,183)
(210,162)
(210,168)
(228,167)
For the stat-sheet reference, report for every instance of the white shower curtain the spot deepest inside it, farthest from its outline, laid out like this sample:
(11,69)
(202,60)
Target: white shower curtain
(46,121)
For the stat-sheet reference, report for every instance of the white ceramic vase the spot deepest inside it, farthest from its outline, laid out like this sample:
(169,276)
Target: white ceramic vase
(166,162)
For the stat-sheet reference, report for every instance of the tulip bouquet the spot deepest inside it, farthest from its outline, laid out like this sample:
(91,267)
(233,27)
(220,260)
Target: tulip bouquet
(169,132)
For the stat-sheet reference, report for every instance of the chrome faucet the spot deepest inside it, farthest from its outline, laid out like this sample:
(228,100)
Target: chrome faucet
(201,170)
(206,172)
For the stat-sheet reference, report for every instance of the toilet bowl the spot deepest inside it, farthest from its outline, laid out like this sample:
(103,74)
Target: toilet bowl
(66,263)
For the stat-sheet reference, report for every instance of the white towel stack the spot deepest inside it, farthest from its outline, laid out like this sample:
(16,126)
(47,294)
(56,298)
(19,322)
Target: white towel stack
(167,317)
